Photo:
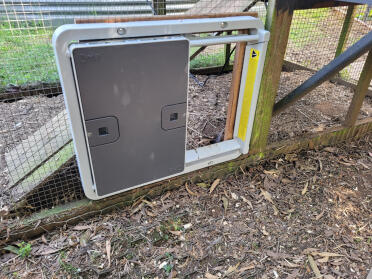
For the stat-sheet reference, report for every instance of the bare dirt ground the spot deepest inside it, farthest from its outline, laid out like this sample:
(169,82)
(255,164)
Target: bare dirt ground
(207,107)
(296,216)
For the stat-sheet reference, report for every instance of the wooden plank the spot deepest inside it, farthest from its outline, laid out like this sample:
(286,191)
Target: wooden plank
(278,22)
(360,92)
(346,28)
(37,148)
(74,212)
(234,90)
(166,17)
(41,175)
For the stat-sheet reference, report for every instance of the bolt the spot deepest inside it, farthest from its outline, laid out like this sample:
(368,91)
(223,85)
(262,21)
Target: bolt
(121,31)
(223,24)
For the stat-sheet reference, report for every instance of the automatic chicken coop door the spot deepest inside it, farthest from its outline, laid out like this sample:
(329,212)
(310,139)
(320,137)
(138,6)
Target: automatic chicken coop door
(125,87)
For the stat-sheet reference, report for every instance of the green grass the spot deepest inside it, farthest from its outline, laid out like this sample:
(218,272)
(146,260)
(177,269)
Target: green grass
(208,59)
(26,55)
(305,26)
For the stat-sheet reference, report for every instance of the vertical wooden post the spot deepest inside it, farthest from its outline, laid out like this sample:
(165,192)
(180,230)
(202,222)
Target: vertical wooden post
(227,50)
(360,92)
(234,90)
(159,7)
(278,22)
(348,23)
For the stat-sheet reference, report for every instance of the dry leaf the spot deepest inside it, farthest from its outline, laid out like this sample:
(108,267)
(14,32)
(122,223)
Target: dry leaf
(320,215)
(189,191)
(287,263)
(210,276)
(231,269)
(304,190)
(148,203)
(81,228)
(84,239)
(149,213)
(247,201)
(264,231)
(234,196)
(251,265)
(327,254)
(331,149)
(309,251)
(267,195)
(323,260)
(137,208)
(314,267)
(108,251)
(214,185)
(276,211)
(271,172)
(43,239)
(187,226)
(177,233)
(165,196)
(225,203)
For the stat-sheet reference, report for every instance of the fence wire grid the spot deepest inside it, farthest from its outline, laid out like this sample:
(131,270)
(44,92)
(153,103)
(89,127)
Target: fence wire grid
(37,166)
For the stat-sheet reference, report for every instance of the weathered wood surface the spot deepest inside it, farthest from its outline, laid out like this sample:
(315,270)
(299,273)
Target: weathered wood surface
(278,22)
(346,28)
(37,148)
(360,92)
(74,212)
(234,90)
(44,173)
(166,17)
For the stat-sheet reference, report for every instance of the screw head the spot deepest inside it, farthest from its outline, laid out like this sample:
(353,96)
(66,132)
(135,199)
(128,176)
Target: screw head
(121,31)
(223,24)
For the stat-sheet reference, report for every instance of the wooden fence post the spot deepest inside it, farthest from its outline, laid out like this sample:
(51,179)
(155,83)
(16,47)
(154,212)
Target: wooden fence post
(278,22)
(360,92)
(348,23)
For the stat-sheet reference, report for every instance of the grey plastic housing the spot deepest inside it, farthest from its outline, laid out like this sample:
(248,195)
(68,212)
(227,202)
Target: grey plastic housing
(108,34)
(143,86)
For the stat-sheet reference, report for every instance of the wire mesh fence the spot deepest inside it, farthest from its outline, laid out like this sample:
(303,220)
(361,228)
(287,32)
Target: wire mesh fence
(38,168)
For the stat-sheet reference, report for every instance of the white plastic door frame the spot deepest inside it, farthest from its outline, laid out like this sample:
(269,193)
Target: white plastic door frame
(195,159)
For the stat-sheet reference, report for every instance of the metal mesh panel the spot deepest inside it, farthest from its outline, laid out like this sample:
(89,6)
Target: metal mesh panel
(38,167)
(315,34)
(37,164)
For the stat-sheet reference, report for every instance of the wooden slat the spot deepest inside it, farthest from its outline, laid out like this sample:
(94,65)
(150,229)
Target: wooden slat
(42,174)
(278,22)
(166,17)
(74,212)
(360,92)
(234,90)
(346,28)
(37,148)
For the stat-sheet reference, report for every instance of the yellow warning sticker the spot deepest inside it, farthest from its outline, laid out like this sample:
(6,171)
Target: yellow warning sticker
(248,92)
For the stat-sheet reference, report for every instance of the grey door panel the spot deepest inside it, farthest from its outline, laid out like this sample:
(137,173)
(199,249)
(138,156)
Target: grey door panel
(143,87)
